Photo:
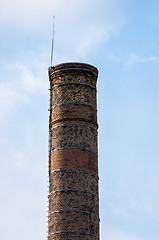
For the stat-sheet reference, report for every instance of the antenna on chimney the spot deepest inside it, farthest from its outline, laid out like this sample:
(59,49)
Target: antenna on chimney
(53,36)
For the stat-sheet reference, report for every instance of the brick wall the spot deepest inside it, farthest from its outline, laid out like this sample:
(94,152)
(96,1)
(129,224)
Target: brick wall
(73,159)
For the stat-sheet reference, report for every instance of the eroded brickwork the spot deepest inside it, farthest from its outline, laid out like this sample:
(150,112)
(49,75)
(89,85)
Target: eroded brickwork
(71,235)
(73,159)
(74,178)
(71,220)
(78,200)
(73,93)
(75,136)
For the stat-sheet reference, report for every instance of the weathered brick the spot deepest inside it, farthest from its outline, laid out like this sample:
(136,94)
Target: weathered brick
(73,159)
(83,201)
(72,135)
(73,93)
(71,236)
(70,71)
(74,178)
(73,221)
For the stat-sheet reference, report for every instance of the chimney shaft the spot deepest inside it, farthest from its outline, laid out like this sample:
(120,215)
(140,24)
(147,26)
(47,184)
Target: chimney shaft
(73,153)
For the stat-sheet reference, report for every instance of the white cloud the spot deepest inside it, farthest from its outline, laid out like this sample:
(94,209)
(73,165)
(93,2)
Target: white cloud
(135,58)
(31,81)
(20,82)
(80,25)
(30,12)
(79,34)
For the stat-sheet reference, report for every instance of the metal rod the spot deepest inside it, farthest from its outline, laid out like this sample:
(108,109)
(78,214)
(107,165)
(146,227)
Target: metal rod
(53,36)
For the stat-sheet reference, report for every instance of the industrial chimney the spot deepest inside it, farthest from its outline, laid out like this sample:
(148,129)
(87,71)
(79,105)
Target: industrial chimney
(73,153)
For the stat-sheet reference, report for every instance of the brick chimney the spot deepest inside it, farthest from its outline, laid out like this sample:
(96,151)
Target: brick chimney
(73,153)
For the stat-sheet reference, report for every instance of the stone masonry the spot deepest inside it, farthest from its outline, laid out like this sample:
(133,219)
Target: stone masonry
(73,153)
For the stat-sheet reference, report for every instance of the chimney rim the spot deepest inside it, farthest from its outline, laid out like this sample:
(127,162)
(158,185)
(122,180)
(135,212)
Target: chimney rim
(73,65)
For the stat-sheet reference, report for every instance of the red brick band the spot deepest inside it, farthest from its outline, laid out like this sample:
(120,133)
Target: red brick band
(74,158)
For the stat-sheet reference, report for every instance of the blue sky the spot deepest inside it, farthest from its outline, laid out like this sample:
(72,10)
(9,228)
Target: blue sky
(119,37)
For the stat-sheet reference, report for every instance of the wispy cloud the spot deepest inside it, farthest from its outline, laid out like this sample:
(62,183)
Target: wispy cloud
(19,83)
(78,32)
(32,82)
(135,58)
